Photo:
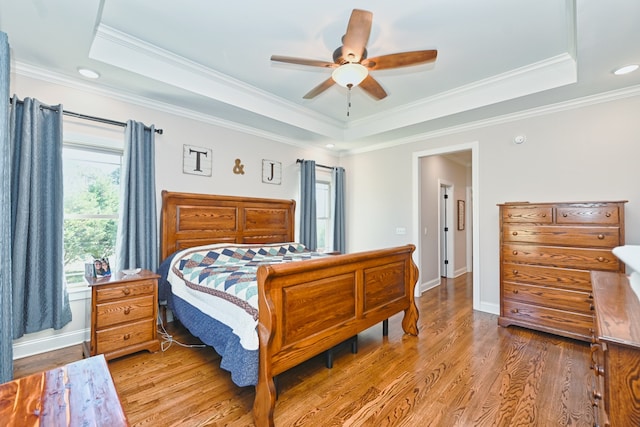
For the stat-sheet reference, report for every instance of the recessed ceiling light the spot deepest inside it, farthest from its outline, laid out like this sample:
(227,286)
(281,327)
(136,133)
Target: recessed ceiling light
(330,145)
(625,70)
(90,74)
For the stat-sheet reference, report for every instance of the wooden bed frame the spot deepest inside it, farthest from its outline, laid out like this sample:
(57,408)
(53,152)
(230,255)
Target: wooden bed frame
(356,290)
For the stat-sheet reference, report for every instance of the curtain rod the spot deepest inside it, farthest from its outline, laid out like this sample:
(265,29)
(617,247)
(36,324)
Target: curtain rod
(317,164)
(92,118)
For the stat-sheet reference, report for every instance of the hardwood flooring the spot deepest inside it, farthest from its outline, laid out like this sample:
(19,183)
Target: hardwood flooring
(463,370)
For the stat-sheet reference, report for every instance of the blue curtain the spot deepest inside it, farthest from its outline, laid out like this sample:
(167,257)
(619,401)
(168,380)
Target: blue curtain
(137,239)
(308,227)
(6,312)
(40,299)
(339,211)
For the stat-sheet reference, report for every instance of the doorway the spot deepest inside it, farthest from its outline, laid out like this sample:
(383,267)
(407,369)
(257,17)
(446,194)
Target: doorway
(471,219)
(446,242)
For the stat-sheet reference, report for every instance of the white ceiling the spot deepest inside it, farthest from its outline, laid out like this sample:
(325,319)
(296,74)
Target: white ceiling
(212,59)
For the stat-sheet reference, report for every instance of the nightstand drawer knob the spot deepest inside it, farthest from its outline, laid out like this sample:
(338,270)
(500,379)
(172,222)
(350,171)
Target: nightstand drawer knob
(600,236)
(126,291)
(127,310)
(515,233)
(516,272)
(127,336)
(515,252)
(600,259)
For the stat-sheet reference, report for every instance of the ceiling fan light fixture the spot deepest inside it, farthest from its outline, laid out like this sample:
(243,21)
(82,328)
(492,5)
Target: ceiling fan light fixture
(350,74)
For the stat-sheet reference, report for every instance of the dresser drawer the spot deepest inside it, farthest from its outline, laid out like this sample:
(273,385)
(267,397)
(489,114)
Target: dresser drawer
(124,336)
(537,214)
(587,215)
(560,299)
(606,237)
(125,289)
(578,280)
(549,318)
(128,310)
(581,258)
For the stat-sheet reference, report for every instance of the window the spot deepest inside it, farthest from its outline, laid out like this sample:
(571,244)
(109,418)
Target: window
(91,202)
(324,217)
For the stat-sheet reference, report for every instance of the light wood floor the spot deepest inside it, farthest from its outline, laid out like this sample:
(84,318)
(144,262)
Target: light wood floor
(463,370)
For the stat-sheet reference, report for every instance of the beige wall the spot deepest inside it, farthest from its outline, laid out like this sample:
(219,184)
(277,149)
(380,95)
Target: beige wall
(582,153)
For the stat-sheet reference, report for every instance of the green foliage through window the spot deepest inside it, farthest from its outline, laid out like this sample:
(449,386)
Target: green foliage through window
(91,201)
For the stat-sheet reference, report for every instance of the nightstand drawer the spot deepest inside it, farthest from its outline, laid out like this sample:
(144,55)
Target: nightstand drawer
(125,289)
(126,335)
(129,310)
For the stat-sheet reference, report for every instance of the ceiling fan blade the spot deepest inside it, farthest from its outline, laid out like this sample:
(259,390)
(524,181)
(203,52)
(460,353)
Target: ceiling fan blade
(302,61)
(403,59)
(320,88)
(357,35)
(372,86)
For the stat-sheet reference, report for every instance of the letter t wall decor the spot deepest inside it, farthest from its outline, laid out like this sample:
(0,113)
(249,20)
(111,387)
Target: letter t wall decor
(197,160)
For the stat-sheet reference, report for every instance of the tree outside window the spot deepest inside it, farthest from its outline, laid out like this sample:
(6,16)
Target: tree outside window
(91,202)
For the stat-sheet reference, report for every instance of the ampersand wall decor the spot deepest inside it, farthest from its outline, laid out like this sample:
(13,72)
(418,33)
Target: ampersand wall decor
(238,169)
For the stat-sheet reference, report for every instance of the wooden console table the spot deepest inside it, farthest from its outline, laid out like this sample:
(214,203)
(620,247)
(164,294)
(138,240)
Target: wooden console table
(78,394)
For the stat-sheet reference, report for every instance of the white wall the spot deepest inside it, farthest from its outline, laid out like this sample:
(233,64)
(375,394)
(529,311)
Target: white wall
(579,154)
(227,145)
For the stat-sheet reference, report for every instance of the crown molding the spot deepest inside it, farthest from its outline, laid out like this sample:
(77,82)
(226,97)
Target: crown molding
(573,104)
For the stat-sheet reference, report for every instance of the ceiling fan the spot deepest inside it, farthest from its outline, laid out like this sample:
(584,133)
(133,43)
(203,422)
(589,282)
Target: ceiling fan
(350,63)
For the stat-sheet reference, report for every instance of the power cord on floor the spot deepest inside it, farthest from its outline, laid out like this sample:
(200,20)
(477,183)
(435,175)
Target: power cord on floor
(168,340)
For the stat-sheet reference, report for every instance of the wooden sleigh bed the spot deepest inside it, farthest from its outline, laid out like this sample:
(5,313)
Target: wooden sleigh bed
(356,290)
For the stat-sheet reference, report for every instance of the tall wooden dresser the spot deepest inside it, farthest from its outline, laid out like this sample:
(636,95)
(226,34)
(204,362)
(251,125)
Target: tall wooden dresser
(547,253)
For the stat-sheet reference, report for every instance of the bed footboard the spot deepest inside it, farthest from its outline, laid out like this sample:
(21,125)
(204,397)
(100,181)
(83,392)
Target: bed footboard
(308,307)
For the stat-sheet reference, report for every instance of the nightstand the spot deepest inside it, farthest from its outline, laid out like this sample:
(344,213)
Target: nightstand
(124,311)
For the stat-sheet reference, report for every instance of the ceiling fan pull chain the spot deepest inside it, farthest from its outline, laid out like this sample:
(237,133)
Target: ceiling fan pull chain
(349,86)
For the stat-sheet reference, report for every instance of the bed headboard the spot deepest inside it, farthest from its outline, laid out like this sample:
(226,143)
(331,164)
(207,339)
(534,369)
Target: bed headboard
(189,219)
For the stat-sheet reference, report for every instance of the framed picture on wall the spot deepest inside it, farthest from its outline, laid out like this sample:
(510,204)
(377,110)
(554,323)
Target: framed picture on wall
(461,215)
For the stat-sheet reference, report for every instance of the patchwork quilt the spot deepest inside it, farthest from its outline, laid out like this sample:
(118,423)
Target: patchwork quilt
(220,280)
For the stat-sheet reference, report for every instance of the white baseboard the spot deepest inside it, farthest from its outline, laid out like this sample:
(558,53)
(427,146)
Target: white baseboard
(425,286)
(45,344)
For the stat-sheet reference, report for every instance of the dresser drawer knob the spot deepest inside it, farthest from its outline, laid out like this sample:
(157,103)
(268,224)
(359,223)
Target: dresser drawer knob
(515,233)
(597,395)
(514,310)
(600,236)
(544,215)
(516,272)
(126,291)
(565,215)
(509,215)
(127,336)
(590,295)
(515,291)
(600,259)
(608,214)
(592,307)
(515,252)
(127,310)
